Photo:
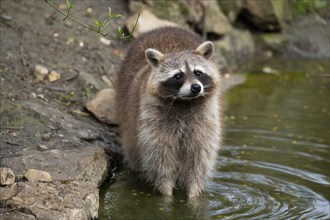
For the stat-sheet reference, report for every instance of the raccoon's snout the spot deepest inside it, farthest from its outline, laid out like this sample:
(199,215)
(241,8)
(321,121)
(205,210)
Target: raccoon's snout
(195,88)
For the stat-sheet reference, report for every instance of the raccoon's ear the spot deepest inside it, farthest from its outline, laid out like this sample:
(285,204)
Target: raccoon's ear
(206,49)
(154,57)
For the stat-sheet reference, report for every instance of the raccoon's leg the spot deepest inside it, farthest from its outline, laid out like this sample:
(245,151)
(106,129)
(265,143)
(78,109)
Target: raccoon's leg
(159,163)
(198,166)
(131,157)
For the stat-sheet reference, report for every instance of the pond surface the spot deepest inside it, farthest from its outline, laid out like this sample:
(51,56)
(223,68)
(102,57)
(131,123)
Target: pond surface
(275,160)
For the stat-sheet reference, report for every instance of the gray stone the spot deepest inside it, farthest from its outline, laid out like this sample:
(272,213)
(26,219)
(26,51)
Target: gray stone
(231,8)
(307,37)
(81,163)
(103,106)
(73,128)
(31,200)
(33,175)
(7,176)
(237,48)
(215,21)
(261,15)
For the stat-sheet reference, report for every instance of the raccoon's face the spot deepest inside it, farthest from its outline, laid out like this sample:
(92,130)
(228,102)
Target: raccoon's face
(185,75)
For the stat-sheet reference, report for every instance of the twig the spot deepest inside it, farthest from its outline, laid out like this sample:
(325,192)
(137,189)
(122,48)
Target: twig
(99,31)
(22,56)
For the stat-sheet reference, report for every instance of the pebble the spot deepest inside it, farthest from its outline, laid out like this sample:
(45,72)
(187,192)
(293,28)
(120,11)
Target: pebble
(46,136)
(89,11)
(33,175)
(40,72)
(7,176)
(41,96)
(81,44)
(105,41)
(42,147)
(54,76)
(70,41)
(33,95)
(107,81)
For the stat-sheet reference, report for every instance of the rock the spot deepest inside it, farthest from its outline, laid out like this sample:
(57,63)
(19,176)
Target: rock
(107,138)
(46,137)
(237,48)
(147,21)
(72,200)
(7,176)
(103,106)
(215,21)
(307,37)
(33,95)
(180,12)
(231,8)
(53,76)
(33,175)
(16,216)
(77,164)
(40,72)
(183,13)
(266,15)
(42,147)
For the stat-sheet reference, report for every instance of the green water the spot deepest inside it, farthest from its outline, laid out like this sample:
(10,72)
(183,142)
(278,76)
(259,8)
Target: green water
(275,161)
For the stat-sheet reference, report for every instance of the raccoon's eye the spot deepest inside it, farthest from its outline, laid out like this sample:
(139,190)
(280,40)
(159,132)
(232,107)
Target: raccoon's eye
(198,72)
(178,76)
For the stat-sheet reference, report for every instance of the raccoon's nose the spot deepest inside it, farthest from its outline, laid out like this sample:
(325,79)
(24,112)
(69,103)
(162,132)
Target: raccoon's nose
(195,88)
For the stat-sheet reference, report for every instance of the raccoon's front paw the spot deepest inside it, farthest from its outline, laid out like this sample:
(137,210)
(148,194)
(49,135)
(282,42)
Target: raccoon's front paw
(165,188)
(194,191)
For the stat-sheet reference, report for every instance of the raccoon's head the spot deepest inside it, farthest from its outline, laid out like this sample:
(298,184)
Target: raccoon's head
(183,75)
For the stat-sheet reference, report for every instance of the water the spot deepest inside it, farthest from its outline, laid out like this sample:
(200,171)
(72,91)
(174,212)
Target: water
(275,161)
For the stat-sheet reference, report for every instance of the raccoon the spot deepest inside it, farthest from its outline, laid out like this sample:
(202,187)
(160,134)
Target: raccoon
(169,109)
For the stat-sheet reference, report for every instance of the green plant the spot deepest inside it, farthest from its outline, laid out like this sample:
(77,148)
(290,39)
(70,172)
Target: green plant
(100,24)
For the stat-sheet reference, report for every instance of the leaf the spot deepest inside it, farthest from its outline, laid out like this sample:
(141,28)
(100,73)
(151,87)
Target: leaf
(116,15)
(97,23)
(69,5)
(120,32)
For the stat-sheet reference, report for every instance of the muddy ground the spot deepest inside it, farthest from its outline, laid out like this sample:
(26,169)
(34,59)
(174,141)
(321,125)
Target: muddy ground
(45,125)
(33,33)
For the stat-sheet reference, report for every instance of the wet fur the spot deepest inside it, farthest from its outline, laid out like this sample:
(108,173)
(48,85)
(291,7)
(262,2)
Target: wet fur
(168,140)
